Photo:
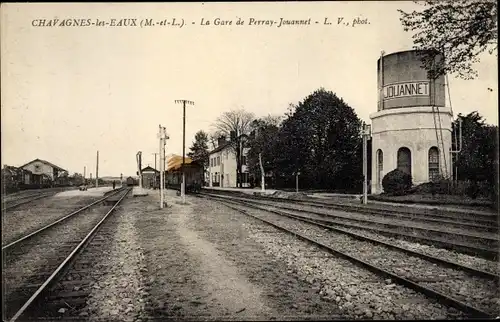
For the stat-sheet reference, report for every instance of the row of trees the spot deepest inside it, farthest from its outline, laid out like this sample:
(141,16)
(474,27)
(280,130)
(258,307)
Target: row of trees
(318,138)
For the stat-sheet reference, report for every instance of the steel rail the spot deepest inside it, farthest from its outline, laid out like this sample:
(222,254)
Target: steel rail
(58,221)
(52,277)
(8,207)
(447,300)
(465,268)
(375,222)
(488,253)
(432,218)
(491,218)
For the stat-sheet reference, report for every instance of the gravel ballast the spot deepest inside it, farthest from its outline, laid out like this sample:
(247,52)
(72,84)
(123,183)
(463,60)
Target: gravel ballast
(20,222)
(397,309)
(118,291)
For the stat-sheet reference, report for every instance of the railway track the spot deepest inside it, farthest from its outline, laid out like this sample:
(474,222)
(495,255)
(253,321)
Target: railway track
(470,290)
(477,243)
(487,221)
(33,263)
(12,204)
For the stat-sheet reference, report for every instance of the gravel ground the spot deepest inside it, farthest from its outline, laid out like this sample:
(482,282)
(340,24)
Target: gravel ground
(460,258)
(358,293)
(118,287)
(291,297)
(463,259)
(188,277)
(419,215)
(36,258)
(401,229)
(21,221)
(90,192)
(32,192)
(472,290)
(344,215)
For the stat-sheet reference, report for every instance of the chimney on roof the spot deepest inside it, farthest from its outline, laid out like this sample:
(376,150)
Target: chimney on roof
(221,141)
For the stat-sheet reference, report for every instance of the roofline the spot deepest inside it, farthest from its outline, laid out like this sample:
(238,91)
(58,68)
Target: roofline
(409,50)
(220,148)
(150,168)
(46,162)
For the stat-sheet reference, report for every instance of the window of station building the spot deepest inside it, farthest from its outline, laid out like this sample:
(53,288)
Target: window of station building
(433,163)
(244,160)
(218,160)
(404,160)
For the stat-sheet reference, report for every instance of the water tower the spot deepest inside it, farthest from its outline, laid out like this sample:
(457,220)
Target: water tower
(412,129)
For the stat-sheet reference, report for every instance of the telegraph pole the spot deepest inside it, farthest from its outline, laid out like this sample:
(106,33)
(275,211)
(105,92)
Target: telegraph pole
(161,168)
(183,184)
(162,135)
(155,168)
(97,171)
(366,134)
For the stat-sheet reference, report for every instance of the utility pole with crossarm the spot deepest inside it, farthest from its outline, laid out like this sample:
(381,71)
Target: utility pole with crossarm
(162,135)
(183,184)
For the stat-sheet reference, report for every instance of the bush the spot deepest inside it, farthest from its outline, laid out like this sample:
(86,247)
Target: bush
(397,182)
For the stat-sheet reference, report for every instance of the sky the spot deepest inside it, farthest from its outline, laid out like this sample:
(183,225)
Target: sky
(70,91)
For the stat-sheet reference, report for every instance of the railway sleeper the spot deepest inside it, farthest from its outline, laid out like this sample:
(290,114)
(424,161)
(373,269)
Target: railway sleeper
(68,295)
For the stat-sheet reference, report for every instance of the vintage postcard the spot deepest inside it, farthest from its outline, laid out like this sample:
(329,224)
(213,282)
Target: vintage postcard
(297,160)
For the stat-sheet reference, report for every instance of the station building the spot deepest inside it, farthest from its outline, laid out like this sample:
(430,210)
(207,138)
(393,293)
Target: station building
(222,166)
(412,128)
(193,172)
(44,170)
(150,177)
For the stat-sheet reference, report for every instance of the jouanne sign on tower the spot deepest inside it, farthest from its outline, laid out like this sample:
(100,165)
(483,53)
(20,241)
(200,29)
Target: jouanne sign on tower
(406,89)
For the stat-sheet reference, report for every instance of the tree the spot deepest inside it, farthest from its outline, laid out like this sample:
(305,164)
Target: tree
(235,124)
(262,140)
(77,179)
(213,140)
(199,150)
(320,138)
(461,30)
(476,160)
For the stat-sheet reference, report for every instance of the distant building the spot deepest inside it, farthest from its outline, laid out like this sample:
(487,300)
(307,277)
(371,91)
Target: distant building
(222,166)
(150,177)
(42,169)
(14,178)
(193,172)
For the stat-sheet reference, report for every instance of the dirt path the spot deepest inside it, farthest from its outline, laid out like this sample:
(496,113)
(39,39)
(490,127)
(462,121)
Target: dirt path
(218,276)
(188,277)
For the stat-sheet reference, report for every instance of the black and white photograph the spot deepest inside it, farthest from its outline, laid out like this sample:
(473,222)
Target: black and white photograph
(250,161)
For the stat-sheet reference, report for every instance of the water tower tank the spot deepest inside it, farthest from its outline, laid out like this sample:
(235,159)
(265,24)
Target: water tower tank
(411,129)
